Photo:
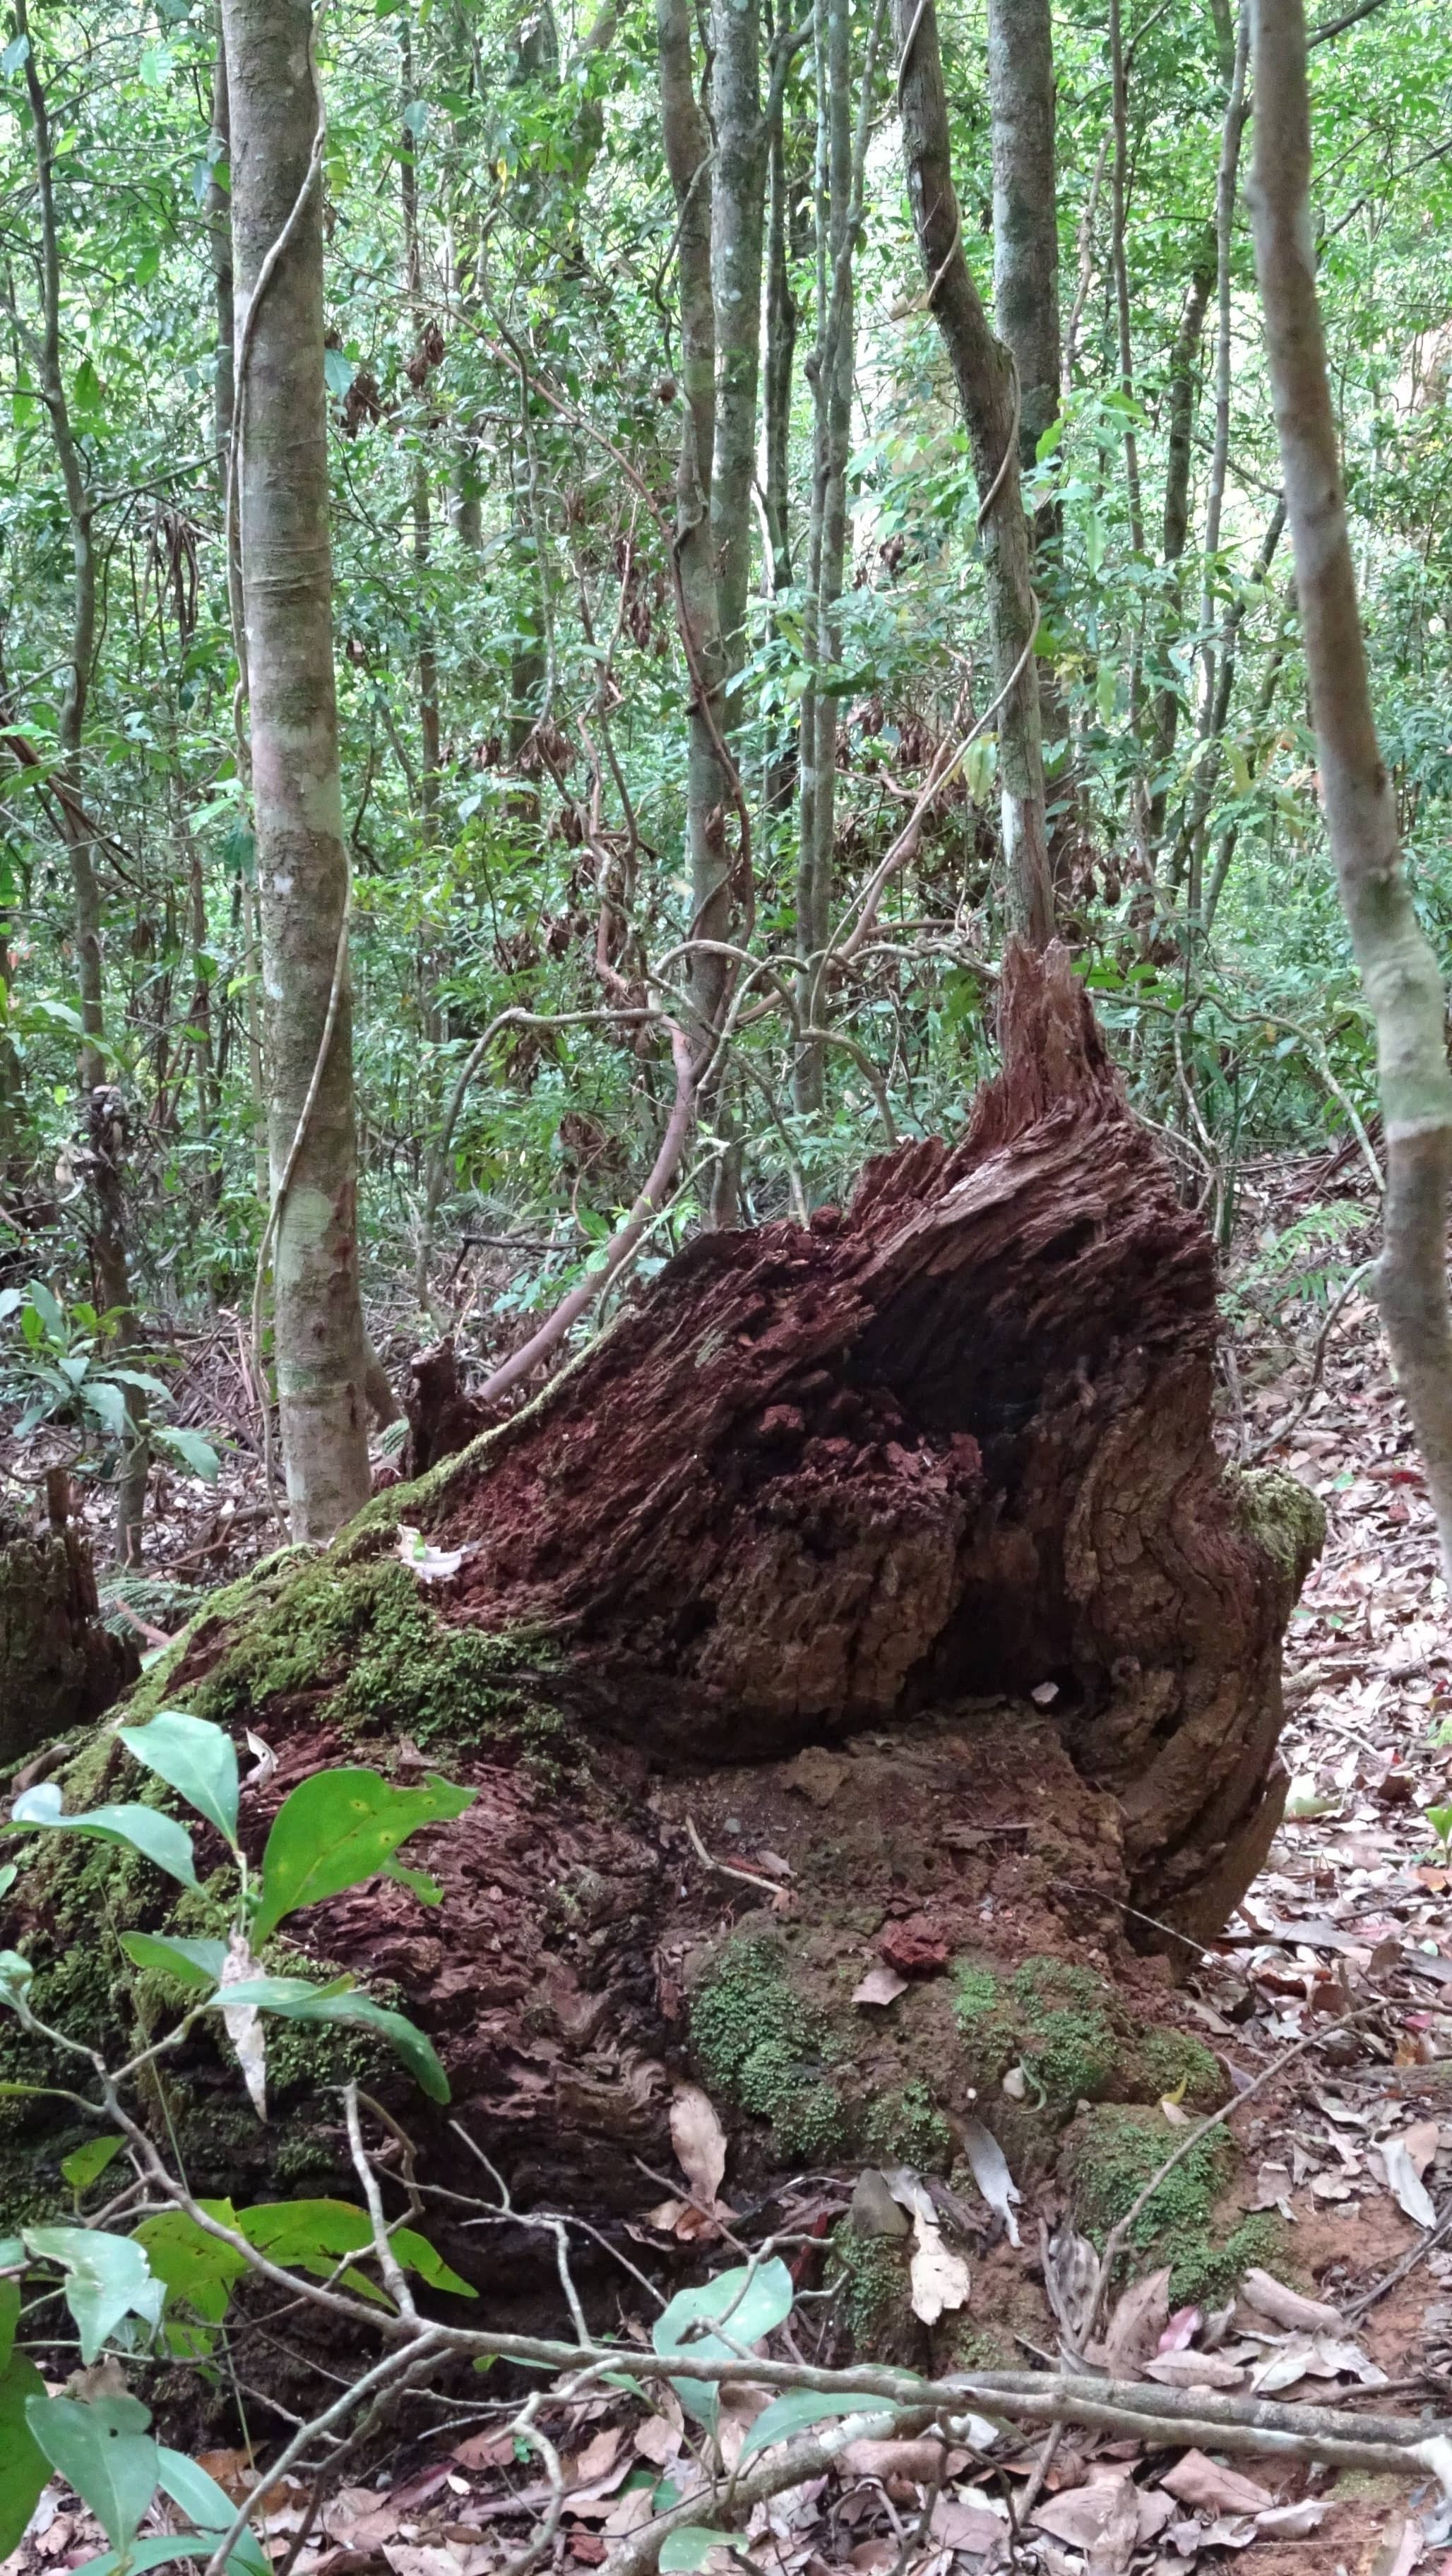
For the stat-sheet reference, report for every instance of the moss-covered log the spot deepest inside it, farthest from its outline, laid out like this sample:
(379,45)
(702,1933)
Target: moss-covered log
(872,1594)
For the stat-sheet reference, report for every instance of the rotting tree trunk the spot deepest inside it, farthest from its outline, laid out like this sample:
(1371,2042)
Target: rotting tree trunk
(58,1666)
(771,1577)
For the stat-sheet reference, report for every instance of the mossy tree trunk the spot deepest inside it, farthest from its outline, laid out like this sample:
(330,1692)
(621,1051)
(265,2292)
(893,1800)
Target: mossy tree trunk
(872,1593)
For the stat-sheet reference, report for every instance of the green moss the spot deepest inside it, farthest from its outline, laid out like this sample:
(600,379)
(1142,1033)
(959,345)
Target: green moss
(868,2278)
(1288,1521)
(1069,2042)
(391,1662)
(758,2042)
(976,1994)
(1112,2151)
(906,2128)
(1176,2064)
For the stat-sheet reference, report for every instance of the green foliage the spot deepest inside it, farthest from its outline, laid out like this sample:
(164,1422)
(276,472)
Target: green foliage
(56,1368)
(745,2305)
(337,1828)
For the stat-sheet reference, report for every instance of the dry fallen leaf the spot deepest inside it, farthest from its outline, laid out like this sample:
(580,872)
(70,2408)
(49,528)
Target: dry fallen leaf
(1405,2183)
(939,2279)
(1271,2298)
(965,2526)
(699,2141)
(1139,2319)
(658,2440)
(920,2459)
(1194,2480)
(597,2457)
(881,1985)
(990,2171)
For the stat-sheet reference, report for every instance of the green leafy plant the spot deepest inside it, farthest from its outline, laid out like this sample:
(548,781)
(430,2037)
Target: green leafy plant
(60,1371)
(166,2285)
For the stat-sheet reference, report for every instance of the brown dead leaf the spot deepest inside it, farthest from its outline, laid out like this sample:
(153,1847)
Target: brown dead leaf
(1284,2307)
(881,1985)
(1140,2318)
(1197,2481)
(955,2525)
(597,2457)
(658,2441)
(484,2451)
(699,2141)
(1194,2370)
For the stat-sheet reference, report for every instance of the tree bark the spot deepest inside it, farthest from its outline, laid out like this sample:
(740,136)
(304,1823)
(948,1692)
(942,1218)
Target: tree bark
(1397,964)
(983,371)
(1025,208)
(219,238)
(302,869)
(58,1666)
(738,198)
(1165,724)
(688,157)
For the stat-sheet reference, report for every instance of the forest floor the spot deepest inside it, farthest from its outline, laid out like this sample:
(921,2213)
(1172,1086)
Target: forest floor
(1348,2146)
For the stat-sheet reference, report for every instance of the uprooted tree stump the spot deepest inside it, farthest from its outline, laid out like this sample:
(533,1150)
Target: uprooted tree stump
(871,1593)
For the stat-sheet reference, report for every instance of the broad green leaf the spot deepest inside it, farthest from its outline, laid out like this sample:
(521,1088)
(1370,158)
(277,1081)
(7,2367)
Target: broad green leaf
(107,2278)
(162,2551)
(210,2508)
(192,1963)
(15,1976)
(419,1882)
(24,2467)
(190,2264)
(8,1876)
(691,2545)
(339,1828)
(12,2252)
(293,1999)
(159,1838)
(107,1402)
(46,1308)
(750,2305)
(798,2409)
(314,2235)
(16,53)
(105,2451)
(198,1760)
(85,2164)
(9,2319)
(196,1454)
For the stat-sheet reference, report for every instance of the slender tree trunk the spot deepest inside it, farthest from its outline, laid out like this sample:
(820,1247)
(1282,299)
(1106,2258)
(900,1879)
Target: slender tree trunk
(302,868)
(256,1062)
(1395,958)
(1119,183)
(428,660)
(1236,112)
(105,1109)
(1025,208)
(826,542)
(983,371)
(1165,715)
(688,156)
(782,318)
(219,237)
(737,209)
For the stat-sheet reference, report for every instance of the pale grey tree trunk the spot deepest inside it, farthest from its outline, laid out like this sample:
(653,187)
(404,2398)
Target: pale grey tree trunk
(1398,967)
(302,873)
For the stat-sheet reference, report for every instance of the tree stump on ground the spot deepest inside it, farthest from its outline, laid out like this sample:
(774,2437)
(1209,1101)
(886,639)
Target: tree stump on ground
(871,1595)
